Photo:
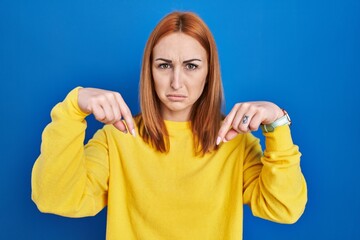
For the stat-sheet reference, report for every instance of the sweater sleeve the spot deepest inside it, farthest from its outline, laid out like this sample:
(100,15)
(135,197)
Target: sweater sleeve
(68,178)
(274,186)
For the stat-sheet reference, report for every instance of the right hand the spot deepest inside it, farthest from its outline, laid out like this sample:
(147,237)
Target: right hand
(108,107)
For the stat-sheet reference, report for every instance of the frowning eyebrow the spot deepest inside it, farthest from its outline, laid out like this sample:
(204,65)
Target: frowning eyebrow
(186,61)
(192,60)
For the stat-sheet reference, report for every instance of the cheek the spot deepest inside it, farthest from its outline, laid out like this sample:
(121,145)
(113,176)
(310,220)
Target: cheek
(201,87)
(159,83)
(199,84)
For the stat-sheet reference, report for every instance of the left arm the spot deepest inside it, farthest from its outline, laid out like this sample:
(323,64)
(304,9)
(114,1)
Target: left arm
(274,185)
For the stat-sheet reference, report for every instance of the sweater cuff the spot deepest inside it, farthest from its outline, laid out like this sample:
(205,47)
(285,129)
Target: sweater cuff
(278,140)
(71,107)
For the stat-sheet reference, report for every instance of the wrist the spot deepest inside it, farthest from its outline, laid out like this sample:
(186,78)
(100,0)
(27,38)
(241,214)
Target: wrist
(283,120)
(280,113)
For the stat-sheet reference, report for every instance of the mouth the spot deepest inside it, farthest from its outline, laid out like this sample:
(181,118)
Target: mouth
(176,97)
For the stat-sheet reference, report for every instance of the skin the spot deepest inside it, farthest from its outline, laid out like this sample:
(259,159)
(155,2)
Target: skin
(179,67)
(258,112)
(108,107)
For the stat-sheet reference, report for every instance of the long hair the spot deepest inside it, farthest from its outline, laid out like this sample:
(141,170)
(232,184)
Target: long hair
(205,114)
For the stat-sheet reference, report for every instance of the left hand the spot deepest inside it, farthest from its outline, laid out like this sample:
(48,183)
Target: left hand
(246,117)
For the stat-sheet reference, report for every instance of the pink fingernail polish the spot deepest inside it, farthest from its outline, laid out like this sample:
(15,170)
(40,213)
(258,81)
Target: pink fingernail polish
(218,140)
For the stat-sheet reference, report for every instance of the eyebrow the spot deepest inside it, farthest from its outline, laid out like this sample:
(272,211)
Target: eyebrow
(186,61)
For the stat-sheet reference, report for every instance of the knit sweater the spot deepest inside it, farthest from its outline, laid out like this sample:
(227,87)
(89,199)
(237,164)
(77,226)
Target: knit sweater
(174,195)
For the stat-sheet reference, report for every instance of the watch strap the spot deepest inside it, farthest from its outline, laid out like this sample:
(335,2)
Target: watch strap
(284,120)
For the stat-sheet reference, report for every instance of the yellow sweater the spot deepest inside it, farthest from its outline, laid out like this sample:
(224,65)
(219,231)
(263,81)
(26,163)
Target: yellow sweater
(152,195)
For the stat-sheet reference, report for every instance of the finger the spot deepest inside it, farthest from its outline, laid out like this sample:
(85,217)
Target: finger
(255,122)
(129,120)
(120,126)
(226,125)
(109,114)
(126,114)
(241,120)
(102,109)
(98,112)
(230,135)
(115,108)
(116,113)
(243,126)
(246,117)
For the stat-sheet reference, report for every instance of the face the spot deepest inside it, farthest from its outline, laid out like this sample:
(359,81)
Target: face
(179,68)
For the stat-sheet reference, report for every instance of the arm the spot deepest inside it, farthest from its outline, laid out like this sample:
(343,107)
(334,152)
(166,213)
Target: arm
(69,179)
(274,186)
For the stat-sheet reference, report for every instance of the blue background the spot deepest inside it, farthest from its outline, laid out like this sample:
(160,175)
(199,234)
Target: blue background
(303,55)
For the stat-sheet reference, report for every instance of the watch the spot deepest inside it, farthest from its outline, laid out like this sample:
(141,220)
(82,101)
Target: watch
(284,120)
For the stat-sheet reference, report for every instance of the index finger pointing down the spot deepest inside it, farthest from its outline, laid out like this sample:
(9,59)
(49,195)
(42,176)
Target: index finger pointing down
(226,125)
(126,114)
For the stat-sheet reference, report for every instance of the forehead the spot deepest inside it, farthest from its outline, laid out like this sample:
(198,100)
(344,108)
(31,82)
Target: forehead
(179,45)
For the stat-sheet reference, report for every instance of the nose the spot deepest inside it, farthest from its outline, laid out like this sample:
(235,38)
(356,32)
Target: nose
(176,82)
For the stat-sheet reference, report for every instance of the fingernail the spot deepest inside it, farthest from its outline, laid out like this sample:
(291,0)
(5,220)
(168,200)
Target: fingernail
(218,140)
(224,141)
(133,132)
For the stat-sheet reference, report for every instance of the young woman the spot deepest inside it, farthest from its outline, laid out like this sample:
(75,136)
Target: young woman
(179,169)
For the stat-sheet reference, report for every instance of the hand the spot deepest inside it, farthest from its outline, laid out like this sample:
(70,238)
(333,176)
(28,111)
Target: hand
(246,117)
(108,107)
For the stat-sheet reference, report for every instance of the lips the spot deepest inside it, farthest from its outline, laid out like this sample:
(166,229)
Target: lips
(176,97)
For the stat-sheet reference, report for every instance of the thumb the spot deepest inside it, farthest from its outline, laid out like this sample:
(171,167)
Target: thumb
(230,135)
(120,126)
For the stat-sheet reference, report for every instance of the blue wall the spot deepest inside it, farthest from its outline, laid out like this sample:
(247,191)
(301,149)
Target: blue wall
(304,55)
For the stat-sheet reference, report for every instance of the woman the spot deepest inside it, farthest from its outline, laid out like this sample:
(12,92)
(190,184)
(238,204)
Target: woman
(173,177)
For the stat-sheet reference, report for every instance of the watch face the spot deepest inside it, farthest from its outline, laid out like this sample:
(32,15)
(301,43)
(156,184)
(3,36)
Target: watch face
(267,128)
(270,128)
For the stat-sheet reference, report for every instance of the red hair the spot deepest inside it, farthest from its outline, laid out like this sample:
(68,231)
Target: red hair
(206,114)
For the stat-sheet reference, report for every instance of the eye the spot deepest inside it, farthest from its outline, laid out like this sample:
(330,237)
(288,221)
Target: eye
(164,66)
(191,66)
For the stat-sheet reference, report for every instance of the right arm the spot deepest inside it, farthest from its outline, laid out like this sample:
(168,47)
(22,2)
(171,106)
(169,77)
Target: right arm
(68,178)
